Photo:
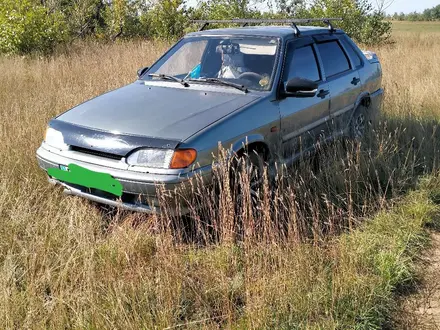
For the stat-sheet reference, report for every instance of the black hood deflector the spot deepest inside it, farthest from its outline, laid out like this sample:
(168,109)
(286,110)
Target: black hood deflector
(107,142)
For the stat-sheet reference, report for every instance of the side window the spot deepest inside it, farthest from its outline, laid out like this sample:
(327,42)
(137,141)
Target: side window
(333,58)
(352,53)
(301,62)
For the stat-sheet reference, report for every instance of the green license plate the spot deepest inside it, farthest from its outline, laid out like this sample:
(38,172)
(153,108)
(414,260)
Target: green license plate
(76,174)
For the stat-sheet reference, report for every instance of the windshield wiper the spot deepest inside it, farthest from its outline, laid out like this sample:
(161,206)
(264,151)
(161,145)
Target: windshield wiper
(221,82)
(168,77)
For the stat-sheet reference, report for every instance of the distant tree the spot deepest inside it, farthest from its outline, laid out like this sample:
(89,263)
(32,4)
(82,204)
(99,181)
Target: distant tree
(414,16)
(39,25)
(83,17)
(290,7)
(122,18)
(429,14)
(383,5)
(166,19)
(228,9)
(432,14)
(29,27)
(361,20)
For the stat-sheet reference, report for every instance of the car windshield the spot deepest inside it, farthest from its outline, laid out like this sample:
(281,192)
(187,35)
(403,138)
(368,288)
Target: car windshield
(244,61)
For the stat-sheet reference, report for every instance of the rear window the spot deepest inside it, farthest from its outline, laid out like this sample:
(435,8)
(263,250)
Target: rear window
(333,58)
(354,56)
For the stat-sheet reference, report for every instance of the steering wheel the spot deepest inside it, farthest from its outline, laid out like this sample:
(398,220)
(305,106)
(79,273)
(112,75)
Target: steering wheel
(255,77)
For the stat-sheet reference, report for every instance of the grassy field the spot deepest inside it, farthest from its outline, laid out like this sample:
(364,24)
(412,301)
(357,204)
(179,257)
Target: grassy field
(68,264)
(420,27)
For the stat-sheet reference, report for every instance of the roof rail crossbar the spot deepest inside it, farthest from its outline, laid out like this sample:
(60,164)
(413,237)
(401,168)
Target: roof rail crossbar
(292,22)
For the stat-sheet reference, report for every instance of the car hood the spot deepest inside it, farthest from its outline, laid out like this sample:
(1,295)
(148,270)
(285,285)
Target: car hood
(156,111)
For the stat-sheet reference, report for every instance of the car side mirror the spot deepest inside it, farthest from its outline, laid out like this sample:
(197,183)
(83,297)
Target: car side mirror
(141,71)
(301,87)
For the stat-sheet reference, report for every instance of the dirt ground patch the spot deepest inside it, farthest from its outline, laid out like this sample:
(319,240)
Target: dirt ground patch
(421,308)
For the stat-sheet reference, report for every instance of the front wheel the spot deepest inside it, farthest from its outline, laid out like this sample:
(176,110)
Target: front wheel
(248,188)
(251,164)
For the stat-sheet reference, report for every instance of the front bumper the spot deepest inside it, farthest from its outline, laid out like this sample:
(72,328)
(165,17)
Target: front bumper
(139,189)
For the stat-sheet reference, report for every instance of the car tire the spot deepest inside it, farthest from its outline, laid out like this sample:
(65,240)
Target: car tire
(360,123)
(252,162)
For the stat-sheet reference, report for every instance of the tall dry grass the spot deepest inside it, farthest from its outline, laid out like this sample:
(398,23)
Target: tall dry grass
(67,263)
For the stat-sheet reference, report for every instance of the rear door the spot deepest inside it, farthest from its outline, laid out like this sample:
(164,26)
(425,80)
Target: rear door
(303,119)
(343,79)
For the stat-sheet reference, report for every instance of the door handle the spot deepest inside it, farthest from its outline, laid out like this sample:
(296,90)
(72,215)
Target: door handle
(355,81)
(323,93)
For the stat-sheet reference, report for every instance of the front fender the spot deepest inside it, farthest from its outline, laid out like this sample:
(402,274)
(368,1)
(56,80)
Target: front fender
(244,141)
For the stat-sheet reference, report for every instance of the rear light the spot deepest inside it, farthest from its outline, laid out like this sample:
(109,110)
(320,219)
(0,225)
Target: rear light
(183,158)
(371,56)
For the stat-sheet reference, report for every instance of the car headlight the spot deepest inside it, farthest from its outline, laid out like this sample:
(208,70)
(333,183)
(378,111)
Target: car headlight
(55,139)
(162,158)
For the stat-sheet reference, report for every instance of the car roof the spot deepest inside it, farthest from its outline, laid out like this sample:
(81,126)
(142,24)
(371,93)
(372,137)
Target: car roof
(269,31)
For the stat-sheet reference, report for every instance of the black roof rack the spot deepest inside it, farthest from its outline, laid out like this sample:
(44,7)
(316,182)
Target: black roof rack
(292,22)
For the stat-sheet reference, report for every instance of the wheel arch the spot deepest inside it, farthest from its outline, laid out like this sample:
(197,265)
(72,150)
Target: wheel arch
(252,142)
(363,99)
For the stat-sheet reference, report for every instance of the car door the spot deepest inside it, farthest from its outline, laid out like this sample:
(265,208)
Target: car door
(343,79)
(303,119)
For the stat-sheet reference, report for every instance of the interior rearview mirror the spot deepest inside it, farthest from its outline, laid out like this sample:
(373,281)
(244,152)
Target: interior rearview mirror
(301,87)
(141,71)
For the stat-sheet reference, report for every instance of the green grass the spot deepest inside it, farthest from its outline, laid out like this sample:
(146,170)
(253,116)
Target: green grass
(419,27)
(355,277)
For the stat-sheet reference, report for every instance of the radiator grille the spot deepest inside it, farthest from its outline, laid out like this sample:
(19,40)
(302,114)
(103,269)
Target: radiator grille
(96,153)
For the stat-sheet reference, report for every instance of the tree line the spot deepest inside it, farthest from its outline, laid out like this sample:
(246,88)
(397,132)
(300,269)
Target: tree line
(430,14)
(28,26)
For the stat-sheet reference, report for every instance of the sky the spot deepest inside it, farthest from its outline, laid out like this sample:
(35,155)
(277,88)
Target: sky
(408,6)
